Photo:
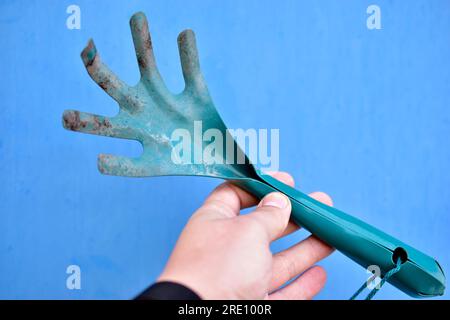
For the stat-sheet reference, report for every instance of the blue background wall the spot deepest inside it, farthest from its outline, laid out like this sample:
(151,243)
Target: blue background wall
(363,115)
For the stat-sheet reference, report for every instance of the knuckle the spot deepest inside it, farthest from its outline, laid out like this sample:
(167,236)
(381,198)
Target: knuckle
(219,206)
(287,265)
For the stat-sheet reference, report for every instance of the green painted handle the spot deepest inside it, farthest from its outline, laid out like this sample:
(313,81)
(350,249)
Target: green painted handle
(420,274)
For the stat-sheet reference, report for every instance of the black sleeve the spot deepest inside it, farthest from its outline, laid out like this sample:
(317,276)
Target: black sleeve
(166,290)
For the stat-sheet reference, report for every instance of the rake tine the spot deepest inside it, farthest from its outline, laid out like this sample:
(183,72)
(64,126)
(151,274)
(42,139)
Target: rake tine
(96,124)
(189,61)
(121,166)
(106,79)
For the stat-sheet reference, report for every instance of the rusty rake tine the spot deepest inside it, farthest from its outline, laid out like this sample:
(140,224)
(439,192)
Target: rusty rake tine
(121,166)
(143,45)
(189,61)
(105,78)
(95,124)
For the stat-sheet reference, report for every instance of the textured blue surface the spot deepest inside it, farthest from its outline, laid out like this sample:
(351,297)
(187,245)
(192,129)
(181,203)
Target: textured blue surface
(363,115)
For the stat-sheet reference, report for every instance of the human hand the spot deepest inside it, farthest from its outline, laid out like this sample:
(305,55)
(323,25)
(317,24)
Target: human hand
(223,255)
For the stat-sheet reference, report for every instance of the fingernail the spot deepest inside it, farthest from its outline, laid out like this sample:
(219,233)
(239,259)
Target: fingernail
(275,199)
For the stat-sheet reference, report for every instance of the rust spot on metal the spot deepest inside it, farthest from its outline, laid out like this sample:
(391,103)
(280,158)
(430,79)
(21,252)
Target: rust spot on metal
(106,123)
(72,121)
(100,162)
(101,124)
(141,61)
(105,84)
(143,57)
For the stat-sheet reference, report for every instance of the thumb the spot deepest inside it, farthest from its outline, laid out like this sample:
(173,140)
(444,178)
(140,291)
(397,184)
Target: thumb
(273,214)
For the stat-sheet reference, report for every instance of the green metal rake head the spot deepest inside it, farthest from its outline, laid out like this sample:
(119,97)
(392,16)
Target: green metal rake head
(149,113)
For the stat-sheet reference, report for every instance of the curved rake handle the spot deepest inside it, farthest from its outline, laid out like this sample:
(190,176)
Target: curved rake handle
(420,275)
